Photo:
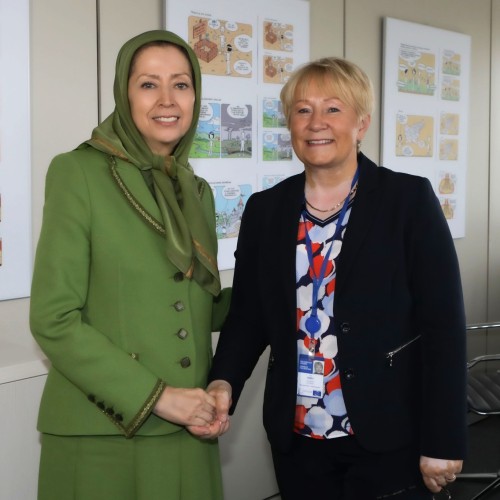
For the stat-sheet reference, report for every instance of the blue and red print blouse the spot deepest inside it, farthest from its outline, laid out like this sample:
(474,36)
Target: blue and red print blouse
(322,417)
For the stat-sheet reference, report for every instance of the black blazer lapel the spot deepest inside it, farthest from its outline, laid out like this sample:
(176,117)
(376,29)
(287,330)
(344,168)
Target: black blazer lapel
(361,219)
(288,210)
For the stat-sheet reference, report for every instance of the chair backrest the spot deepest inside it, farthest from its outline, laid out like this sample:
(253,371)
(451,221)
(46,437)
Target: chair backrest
(483,384)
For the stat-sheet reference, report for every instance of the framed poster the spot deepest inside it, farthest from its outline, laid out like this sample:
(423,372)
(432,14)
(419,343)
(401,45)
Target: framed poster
(425,108)
(15,166)
(246,55)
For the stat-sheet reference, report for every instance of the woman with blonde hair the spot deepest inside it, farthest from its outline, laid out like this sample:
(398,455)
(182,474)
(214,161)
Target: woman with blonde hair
(353,266)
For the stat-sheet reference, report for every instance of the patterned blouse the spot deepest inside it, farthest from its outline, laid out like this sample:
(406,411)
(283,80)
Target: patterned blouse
(322,417)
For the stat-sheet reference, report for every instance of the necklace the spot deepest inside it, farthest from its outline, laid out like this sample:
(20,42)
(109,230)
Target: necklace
(351,192)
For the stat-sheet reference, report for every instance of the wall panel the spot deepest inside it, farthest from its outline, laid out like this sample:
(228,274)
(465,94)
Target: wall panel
(494,181)
(63,84)
(327,28)
(120,20)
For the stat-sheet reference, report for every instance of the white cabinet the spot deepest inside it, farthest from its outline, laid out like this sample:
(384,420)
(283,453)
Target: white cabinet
(20,443)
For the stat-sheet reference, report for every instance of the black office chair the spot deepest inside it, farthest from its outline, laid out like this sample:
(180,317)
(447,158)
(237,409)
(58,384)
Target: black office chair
(483,399)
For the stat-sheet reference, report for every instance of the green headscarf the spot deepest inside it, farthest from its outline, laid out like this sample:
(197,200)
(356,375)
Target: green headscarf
(190,244)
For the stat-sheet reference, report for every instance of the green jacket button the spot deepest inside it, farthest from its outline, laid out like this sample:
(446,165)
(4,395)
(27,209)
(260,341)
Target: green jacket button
(179,306)
(182,333)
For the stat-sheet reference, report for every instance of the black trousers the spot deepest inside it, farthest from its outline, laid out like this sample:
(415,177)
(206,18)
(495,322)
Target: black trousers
(339,469)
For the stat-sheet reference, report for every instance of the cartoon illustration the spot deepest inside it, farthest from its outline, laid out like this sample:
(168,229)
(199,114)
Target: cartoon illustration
(236,131)
(272,114)
(414,135)
(448,208)
(417,70)
(204,49)
(448,149)
(230,201)
(206,143)
(450,88)
(224,131)
(278,36)
(451,63)
(277,147)
(449,123)
(277,69)
(224,48)
(447,184)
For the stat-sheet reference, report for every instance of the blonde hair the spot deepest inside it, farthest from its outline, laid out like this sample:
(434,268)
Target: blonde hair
(335,76)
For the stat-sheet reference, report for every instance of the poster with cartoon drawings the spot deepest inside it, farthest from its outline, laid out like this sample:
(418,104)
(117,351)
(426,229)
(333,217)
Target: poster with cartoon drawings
(425,110)
(242,143)
(15,166)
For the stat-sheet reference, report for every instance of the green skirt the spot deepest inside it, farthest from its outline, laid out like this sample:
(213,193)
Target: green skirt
(173,467)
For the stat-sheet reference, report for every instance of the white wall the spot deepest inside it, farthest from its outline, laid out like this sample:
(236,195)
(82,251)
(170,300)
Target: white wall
(494,171)
(71,83)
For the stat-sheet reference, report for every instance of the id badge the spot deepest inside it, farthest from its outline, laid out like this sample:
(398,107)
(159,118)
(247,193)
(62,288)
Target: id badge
(310,376)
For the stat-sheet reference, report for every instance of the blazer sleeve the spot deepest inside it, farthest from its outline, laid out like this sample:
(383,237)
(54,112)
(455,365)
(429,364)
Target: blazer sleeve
(242,338)
(439,311)
(82,354)
(220,309)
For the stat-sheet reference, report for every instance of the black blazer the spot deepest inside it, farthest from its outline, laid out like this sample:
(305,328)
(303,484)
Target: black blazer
(398,291)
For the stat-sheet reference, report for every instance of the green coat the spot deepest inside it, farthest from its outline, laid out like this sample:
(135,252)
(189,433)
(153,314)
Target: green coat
(113,315)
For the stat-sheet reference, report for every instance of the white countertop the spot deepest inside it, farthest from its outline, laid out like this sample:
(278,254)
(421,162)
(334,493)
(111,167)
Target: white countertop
(20,357)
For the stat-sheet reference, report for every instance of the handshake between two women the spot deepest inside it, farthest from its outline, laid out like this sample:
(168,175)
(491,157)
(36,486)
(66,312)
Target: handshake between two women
(205,414)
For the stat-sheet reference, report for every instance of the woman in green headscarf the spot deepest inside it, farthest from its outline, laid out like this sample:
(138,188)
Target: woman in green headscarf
(126,293)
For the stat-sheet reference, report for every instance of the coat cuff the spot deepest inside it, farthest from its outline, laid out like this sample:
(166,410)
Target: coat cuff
(130,430)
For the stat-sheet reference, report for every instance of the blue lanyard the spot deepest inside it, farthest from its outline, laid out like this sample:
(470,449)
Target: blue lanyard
(313,324)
